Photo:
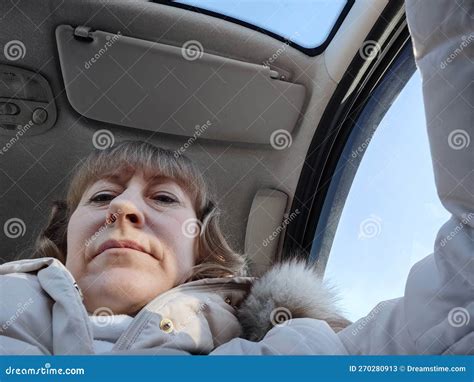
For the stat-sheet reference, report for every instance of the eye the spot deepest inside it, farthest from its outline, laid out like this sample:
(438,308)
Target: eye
(101,198)
(166,199)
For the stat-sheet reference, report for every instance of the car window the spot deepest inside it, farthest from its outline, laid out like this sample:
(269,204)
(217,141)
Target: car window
(305,22)
(392,212)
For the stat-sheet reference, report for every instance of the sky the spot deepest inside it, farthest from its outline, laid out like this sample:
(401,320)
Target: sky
(306,22)
(393,192)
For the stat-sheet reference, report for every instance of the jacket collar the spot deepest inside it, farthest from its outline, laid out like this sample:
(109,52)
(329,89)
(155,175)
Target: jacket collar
(287,290)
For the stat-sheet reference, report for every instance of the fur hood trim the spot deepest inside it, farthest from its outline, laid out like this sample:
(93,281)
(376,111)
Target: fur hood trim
(288,290)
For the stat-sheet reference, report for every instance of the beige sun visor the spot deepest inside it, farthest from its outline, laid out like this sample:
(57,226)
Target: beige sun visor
(152,86)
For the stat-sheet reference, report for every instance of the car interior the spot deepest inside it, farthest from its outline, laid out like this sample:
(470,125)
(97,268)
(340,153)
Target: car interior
(265,118)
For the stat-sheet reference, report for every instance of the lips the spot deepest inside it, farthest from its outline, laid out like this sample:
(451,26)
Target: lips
(121,244)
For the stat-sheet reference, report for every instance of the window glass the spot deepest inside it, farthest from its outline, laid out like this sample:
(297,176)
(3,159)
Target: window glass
(305,22)
(392,213)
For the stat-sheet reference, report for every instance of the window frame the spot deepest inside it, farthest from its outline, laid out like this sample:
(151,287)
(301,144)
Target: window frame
(312,52)
(349,99)
(364,127)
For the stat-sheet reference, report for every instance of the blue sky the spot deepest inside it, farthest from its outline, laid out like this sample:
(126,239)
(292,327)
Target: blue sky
(306,22)
(394,185)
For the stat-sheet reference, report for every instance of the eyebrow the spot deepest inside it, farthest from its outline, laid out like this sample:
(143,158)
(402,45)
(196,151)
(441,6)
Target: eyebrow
(152,180)
(121,178)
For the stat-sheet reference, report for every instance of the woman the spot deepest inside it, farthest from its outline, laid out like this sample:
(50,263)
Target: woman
(135,261)
(45,313)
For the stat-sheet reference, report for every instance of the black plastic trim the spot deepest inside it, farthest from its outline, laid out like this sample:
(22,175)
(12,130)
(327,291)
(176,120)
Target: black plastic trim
(336,124)
(308,51)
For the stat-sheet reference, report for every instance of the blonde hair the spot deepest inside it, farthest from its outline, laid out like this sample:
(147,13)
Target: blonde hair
(216,258)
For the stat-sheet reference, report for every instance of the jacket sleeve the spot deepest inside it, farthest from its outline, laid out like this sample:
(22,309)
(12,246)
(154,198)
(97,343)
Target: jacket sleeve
(299,336)
(10,346)
(25,315)
(436,314)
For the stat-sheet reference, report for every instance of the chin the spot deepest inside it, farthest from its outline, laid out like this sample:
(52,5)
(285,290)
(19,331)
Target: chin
(122,290)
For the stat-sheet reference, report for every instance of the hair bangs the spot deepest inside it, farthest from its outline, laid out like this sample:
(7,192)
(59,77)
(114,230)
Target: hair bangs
(127,158)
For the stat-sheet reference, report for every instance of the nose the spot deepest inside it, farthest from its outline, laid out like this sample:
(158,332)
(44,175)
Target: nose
(123,210)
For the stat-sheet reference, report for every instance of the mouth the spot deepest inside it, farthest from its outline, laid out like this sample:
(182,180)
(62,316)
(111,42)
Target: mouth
(121,244)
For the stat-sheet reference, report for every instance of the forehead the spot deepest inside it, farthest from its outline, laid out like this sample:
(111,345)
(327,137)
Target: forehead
(124,178)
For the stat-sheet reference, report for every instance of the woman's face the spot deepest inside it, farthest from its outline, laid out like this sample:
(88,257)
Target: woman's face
(131,240)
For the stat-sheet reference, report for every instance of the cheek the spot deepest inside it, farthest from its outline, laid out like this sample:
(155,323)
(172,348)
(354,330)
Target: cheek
(183,238)
(78,233)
